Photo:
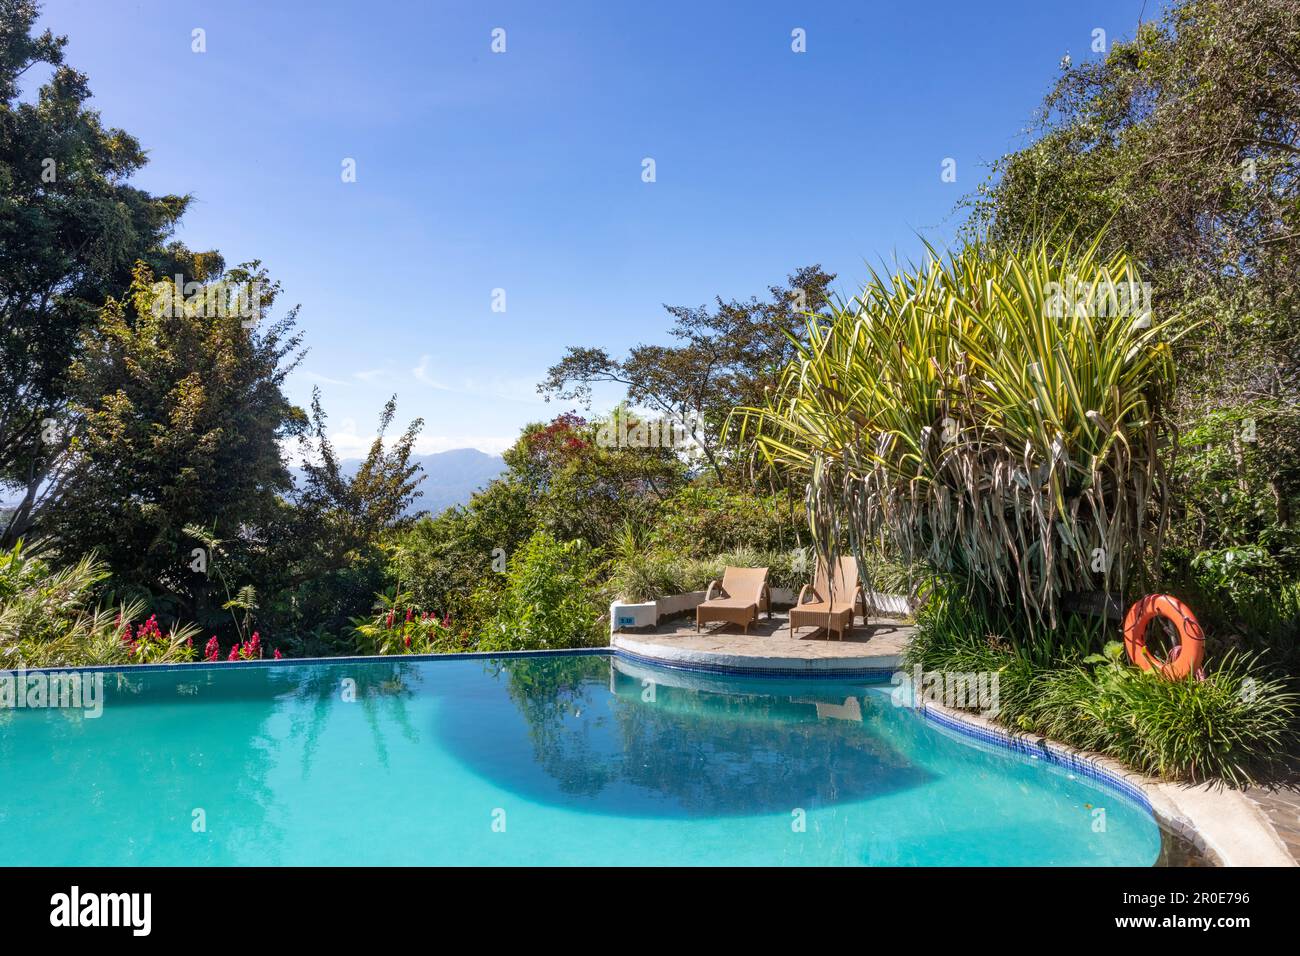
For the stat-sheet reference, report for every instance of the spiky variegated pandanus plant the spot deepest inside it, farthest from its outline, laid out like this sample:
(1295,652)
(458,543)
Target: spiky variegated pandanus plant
(996,413)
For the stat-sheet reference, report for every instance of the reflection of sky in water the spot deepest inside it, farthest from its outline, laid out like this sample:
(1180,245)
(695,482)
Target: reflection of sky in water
(589,762)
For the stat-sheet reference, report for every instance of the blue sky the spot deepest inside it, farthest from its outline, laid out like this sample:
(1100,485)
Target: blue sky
(522,171)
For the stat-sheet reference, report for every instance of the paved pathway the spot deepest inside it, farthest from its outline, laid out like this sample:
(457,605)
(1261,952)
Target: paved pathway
(1280,802)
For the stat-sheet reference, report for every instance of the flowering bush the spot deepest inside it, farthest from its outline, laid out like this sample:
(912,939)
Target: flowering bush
(148,645)
(395,630)
(250,650)
(49,618)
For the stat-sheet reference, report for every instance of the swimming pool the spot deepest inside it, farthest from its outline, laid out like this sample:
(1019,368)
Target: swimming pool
(536,759)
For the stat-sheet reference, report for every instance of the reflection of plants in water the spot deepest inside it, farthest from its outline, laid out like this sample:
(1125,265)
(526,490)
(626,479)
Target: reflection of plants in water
(553,695)
(382,690)
(705,748)
(694,751)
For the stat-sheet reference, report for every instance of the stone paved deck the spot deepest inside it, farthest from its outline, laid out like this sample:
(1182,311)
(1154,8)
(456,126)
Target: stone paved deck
(877,645)
(1280,802)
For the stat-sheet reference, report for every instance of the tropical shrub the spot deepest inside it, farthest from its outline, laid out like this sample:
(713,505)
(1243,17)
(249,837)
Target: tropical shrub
(400,629)
(1231,725)
(177,419)
(441,561)
(703,520)
(48,618)
(996,414)
(647,575)
(549,599)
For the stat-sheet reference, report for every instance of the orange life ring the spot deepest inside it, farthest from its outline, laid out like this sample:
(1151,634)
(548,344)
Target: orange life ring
(1187,656)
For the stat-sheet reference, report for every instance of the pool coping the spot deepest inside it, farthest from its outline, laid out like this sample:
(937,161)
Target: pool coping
(1221,823)
(647,650)
(602,651)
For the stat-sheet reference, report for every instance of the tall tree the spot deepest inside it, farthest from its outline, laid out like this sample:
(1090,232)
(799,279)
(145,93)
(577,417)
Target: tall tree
(725,358)
(1183,145)
(329,561)
(353,511)
(176,421)
(71,229)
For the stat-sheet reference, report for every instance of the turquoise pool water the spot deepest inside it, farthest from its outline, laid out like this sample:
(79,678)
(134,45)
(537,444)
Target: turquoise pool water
(529,760)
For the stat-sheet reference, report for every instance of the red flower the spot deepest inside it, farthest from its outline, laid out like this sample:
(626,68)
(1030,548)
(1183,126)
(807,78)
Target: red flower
(213,650)
(410,613)
(408,640)
(234,653)
(278,655)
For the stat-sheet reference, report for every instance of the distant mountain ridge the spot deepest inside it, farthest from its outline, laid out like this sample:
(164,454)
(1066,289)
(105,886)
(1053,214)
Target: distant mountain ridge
(450,477)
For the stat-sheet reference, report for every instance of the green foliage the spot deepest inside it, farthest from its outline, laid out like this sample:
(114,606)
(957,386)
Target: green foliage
(354,512)
(48,619)
(726,357)
(398,627)
(996,414)
(548,600)
(1229,726)
(1237,478)
(1184,143)
(1235,551)
(72,227)
(1184,139)
(440,562)
(647,575)
(705,519)
(329,541)
(951,618)
(178,419)
(578,488)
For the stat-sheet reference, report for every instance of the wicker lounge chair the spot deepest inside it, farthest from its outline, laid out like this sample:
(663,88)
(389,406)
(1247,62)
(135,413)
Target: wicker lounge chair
(835,601)
(743,591)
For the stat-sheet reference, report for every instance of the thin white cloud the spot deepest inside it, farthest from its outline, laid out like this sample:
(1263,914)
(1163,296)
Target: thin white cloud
(421,373)
(499,389)
(325,379)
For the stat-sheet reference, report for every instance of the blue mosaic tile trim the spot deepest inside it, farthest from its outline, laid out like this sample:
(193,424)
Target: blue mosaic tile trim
(296,661)
(1074,763)
(872,674)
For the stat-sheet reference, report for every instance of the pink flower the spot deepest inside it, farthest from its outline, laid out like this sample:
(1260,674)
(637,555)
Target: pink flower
(234,653)
(213,649)
(278,655)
